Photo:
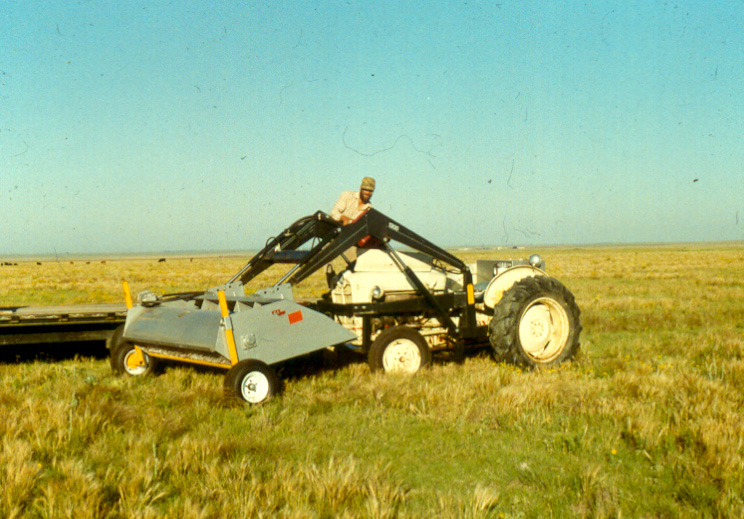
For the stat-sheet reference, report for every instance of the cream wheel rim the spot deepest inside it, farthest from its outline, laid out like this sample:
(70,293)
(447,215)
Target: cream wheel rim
(543,330)
(401,356)
(255,387)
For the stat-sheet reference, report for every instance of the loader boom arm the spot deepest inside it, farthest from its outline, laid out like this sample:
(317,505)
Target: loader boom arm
(334,240)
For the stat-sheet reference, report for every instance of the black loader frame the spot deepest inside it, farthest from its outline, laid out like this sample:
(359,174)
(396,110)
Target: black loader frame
(372,230)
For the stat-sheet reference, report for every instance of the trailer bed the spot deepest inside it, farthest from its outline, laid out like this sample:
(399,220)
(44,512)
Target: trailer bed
(63,323)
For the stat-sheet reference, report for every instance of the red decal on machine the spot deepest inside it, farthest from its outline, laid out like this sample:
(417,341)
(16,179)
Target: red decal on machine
(278,312)
(295,317)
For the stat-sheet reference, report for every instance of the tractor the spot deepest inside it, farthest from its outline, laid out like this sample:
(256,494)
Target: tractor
(397,307)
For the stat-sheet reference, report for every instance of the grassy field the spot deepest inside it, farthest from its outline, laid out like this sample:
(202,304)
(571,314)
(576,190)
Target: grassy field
(646,422)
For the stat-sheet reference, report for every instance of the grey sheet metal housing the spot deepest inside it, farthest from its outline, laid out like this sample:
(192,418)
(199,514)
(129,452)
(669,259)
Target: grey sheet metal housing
(268,326)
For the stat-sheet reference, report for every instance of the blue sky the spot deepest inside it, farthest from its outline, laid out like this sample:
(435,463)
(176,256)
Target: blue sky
(146,126)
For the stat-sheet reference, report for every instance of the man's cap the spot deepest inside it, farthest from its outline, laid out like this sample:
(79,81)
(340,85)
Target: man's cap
(368,184)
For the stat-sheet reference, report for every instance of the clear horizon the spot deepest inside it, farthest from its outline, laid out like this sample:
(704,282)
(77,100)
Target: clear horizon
(251,252)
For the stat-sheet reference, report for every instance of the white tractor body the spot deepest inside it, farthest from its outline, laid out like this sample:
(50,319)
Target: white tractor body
(376,277)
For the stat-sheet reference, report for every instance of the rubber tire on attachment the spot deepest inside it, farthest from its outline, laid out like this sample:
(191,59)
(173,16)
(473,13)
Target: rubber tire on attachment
(249,371)
(119,355)
(113,342)
(529,294)
(409,339)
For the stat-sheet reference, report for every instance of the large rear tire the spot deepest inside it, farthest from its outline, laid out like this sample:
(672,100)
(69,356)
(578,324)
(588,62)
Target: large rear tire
(399,350)
(536,323)
(252,381)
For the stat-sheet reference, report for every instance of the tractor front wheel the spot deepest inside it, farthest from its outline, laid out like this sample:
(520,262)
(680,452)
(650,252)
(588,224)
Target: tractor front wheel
(399,350)
(536,323)
(252,380)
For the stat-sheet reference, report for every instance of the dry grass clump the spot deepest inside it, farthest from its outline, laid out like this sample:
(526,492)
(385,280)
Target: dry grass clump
(646,422)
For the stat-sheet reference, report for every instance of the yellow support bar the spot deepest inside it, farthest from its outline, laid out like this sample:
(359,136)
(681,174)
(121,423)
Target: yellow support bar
(471,294)
(127,295)
(228,329)
(138,358)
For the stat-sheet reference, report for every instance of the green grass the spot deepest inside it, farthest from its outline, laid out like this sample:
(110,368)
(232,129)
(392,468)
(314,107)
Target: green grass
(646,422)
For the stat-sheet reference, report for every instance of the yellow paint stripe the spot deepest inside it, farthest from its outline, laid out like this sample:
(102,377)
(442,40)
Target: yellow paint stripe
(127,295)
(191,361)
(471,294)
(228,331)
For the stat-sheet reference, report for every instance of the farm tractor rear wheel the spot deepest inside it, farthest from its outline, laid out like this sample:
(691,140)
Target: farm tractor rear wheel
(252,380)
(399,350)
(536,323)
